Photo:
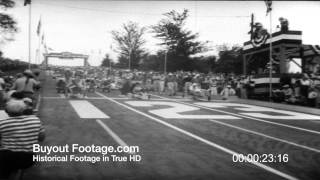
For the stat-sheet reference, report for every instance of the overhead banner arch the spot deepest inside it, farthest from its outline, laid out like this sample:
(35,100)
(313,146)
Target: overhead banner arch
(65,59)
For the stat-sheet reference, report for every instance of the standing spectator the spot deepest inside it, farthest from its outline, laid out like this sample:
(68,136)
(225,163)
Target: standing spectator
(187,81)
(238,88)
(213,87)
(243,88)
(156,82)
(170,84)
(297,88)
(162,81)
(175,84)
(284,24)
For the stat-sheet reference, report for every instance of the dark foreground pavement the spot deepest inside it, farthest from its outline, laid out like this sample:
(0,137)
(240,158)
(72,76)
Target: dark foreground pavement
(179,142)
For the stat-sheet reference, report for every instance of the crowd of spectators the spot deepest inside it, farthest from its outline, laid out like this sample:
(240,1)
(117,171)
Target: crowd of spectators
(300,89)
(18,98)
(303,90)
(20,127)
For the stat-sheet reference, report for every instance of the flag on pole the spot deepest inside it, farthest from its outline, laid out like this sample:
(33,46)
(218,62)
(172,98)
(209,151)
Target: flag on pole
(42,39)
(39,27)
(269,5)
(26,2)
(45,48)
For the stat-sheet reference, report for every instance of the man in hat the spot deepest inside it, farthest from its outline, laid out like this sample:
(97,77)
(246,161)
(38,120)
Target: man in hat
(26,84)
(162,81)
(287,92)
(170,84)
(227,91)
(284,24)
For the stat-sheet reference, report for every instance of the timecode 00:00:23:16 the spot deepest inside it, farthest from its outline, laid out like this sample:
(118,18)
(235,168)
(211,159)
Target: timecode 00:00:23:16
(261,158)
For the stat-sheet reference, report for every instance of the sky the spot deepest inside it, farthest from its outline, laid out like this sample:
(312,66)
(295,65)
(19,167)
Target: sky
(84,26)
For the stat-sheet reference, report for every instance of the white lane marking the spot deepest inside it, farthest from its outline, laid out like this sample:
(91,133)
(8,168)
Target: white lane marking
(51,97)
(93,98)
(258,112)
(119,98)
(267,168)
(248,117)
(63,97)
(175,99)
(175,109)
(267,136)
(113,134)
(86,110)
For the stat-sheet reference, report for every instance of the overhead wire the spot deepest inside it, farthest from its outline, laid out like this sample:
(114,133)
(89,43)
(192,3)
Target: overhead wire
(129,13)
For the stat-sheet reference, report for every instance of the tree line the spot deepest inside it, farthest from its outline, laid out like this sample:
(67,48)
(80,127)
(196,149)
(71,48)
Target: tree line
(180,47)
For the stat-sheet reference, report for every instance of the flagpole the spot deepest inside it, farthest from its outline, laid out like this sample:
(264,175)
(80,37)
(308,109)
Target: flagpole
(110,60)
(270,58)
(29,36)
(39,46)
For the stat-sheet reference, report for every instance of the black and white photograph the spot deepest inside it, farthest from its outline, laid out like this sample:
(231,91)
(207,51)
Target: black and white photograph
(159,90)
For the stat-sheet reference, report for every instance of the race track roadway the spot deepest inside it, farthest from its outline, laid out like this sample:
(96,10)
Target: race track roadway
(178,139)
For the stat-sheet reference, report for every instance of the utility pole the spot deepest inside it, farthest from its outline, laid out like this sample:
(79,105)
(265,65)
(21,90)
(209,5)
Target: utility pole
(29,36)
(110,61)
(130,51)
(166,54)
(270,58)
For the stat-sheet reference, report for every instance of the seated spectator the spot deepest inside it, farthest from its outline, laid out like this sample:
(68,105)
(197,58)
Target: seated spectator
(227,91)
(77,87)
(287,92)
(138,91)
(312,97)
(26,84)
(61,85)
(18,133)
(305,84)
(106,85)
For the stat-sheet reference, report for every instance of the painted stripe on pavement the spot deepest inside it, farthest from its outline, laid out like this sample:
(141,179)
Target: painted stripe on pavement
(210,143)
(86,110)
(247,117)
(267,136)
(111,133)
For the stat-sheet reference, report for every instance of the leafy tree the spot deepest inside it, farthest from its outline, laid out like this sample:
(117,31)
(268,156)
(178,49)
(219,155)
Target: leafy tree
(156,63)
(130,43)
(107,61)
(230,60)
(8,26)
(153,62)
(180,42)
(204,64)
